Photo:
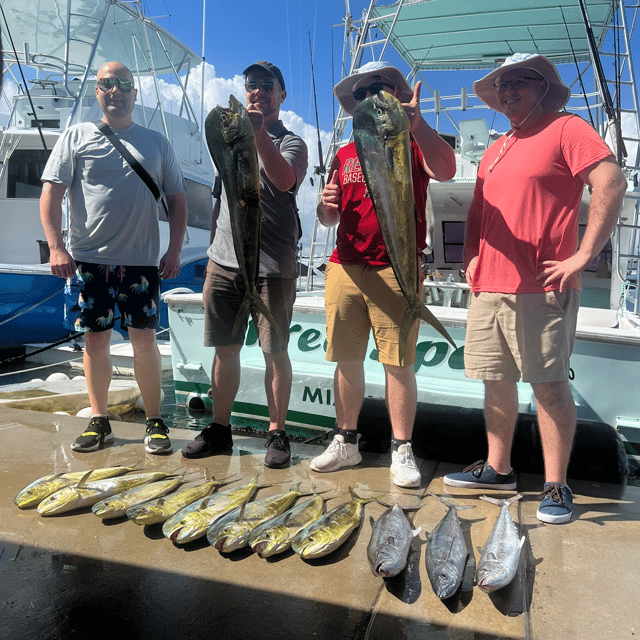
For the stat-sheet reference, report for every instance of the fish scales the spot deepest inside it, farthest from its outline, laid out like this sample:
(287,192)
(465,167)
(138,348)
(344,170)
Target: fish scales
(331,530)
(391,537)
(193,521)
(232,145)
(232,531)
(34,493)
(163,508)
(501,554)
(86,494)
(276,534)
(446,553)
(381,135)
(116,506)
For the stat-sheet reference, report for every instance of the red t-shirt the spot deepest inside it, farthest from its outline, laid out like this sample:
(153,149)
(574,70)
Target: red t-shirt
(530,202)
(359,237)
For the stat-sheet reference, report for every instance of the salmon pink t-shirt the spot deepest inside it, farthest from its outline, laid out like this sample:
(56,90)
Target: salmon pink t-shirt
(359,237)
(530,202)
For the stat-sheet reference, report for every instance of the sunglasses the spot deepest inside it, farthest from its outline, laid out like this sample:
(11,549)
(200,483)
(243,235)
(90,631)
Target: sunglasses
(106,84)
(265,85)
(516,83)
(376,87)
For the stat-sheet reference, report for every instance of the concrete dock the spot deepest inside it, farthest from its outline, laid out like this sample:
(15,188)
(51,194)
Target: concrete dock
(76,576)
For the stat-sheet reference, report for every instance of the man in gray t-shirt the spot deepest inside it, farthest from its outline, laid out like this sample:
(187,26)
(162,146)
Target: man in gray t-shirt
(114,245)
(283,164)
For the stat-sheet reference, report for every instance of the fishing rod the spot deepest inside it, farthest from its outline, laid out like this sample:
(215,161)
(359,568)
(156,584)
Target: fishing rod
(607,102)
(320,170)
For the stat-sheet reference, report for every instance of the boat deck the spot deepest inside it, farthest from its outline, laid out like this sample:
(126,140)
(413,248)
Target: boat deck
(69,576)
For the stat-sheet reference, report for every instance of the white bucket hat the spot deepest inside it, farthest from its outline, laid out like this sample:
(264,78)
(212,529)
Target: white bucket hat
(373,71)
(558,93)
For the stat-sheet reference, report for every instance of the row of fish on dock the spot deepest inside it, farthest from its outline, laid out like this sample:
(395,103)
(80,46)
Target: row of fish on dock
(231,520)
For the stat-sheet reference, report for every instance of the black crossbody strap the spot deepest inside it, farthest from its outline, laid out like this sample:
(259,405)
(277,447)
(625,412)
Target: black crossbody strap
(132,162)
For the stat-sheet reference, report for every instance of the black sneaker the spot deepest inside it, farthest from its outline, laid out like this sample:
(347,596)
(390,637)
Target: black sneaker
(156,437)
(98,431)
(278,450)
(215,438)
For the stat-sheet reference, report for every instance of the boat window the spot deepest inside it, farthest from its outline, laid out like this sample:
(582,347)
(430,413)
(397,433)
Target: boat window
(453,241)
(24,171)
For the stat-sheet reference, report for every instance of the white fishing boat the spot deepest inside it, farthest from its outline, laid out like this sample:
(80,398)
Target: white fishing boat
(448,45)
(52,51)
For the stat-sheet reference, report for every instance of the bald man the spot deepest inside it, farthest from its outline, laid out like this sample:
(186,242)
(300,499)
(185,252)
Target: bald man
(111,258)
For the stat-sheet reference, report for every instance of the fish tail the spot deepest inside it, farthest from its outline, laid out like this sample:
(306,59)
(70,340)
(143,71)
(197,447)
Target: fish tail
(257,302)
(429,318)
(243,312)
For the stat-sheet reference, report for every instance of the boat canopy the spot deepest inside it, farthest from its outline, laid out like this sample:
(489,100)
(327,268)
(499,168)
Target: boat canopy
(480,34)
(57,36)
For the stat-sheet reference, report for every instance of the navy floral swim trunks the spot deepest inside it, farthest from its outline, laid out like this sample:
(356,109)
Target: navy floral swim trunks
(92,295)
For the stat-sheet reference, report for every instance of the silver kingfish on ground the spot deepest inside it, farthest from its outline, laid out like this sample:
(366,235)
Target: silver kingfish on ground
(381,134)
(501,554)
(232,145)
(34,493)
(86,494)
(331,530)
(391,537)
(193,521)
(116,506)
(276,534)
(232,531)
(447,552)
(163,508)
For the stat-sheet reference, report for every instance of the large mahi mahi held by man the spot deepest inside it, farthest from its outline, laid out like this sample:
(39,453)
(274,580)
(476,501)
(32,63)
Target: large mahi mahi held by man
(381,133)
(232,145)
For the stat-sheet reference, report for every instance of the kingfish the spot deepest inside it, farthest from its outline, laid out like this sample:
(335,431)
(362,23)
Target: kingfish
(116,506)
(193,521)
(86,494)
(500,556)
(33,494)
(275,535)
(163,508)
(331,530)
(232,531)
(447,552)
(232,145)
(381,134)
(391,536)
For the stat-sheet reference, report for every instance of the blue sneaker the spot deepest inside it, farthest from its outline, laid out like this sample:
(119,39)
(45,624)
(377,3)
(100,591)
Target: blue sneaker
(481,475)
(556,504)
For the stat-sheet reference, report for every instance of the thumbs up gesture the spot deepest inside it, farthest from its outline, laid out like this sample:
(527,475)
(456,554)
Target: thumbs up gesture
(331,194)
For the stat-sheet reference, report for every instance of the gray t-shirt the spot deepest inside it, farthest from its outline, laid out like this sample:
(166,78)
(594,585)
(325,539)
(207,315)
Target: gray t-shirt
(114,216)
(279,232)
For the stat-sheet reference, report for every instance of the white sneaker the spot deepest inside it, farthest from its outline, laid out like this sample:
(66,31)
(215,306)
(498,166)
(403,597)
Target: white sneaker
(338,454)
(403,467)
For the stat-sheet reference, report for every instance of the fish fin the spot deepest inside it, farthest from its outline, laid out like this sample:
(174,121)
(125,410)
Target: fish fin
(496,501)
(84,479)
(521,543)
(388,153)
(429,318)
(415,532)
(371,521)
(515,498)
(384,504)
(259,304)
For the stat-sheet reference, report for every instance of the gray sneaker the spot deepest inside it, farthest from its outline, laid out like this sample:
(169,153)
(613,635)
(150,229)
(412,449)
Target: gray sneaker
(481,475)
(156,437)
(556,504)
(338,454)
(403,467)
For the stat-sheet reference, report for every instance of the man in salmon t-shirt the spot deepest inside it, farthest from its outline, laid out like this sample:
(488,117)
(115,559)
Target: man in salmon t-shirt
(522,260)
(361,291)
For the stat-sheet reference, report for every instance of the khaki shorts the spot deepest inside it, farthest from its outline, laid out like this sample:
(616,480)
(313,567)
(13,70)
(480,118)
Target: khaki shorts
(222,295)
(359,299)
(531,335)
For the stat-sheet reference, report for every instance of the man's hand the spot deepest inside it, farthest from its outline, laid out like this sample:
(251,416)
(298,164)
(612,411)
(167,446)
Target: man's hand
(412,109)
(470,271)
(62,264)
(331,194)
(169,265)
(256,117)
(564,270)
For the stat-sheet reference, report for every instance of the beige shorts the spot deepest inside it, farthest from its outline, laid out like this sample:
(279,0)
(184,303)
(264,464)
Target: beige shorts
(528,336)
(359,299)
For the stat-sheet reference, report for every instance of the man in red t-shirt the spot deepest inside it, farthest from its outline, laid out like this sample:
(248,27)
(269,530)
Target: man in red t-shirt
(361,291)
(522,261)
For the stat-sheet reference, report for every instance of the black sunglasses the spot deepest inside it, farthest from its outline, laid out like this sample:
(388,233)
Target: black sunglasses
(265,85)
(106,84)
(376,87)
